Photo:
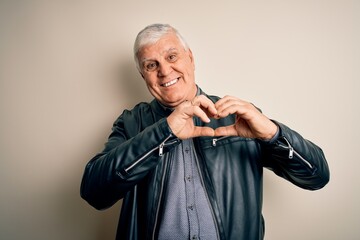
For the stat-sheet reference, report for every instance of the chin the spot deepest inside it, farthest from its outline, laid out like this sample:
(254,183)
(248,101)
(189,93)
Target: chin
(173,102)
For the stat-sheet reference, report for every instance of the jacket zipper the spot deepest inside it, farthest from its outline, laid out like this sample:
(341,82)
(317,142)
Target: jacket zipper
(206,193)
(161,153)
(160,196)
(215,140)
(292,152)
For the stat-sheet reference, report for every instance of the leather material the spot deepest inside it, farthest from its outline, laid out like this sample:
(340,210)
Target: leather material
(131,169)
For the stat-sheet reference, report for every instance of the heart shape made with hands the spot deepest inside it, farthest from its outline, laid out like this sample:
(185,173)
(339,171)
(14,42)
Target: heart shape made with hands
(249,122)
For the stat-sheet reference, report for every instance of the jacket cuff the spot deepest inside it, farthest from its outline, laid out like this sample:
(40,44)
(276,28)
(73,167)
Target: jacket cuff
(166,130)
(274,138)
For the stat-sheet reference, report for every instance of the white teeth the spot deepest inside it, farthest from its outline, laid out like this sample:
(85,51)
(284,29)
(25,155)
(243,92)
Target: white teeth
(172,82)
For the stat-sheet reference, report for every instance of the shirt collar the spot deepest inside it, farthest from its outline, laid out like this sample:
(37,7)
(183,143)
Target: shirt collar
(198,92)
(163,110)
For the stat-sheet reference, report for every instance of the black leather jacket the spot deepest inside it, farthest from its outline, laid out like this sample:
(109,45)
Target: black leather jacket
(134,167)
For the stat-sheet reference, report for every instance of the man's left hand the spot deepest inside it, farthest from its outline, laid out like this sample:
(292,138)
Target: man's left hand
(249,123)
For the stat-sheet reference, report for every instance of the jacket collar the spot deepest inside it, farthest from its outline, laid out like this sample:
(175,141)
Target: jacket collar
(165,111)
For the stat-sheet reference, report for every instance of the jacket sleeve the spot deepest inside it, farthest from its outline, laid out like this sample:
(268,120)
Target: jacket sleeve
(296,159)
(124,162)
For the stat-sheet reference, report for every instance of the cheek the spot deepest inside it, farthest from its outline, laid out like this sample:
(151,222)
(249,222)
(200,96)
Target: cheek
(190,68)
(149,80)
(190,74)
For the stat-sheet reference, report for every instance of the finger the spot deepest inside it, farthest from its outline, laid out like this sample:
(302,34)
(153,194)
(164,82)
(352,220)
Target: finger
(226,131)
(205,103)
(244,109)
(225,99)
(191,110)
(198,112)
(230,109)
(228,101)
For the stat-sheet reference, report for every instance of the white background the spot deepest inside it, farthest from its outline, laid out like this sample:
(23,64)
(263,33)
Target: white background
(67,72)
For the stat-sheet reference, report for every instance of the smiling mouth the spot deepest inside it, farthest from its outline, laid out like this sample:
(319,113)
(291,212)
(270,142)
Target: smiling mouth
(172,82)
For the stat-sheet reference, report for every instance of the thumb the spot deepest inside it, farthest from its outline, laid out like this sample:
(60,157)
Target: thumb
(203,132)
(226,131)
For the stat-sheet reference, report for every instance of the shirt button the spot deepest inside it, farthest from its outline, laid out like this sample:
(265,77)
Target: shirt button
(188,178)
(191,207)
(187,150)
(194,237)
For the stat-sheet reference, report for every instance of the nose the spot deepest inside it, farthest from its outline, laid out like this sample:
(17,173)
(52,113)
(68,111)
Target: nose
(164,69)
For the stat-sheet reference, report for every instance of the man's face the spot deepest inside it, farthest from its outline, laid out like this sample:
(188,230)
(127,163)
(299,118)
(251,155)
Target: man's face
(168,70)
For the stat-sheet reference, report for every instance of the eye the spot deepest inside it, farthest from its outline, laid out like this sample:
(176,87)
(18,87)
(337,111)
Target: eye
(172,57)
(151,66)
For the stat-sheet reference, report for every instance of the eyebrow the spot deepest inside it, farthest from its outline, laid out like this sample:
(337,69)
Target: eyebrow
(172,49)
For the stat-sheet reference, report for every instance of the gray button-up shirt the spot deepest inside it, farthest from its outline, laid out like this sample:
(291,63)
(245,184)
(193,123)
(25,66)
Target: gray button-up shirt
(187,213)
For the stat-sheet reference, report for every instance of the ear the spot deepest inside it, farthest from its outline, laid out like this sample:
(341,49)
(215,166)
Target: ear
(191,57)
(142,75)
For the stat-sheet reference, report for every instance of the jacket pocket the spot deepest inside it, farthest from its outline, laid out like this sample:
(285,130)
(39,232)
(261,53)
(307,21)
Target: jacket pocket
(220,141)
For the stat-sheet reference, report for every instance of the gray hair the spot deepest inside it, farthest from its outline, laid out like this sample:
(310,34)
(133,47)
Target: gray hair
(151,34)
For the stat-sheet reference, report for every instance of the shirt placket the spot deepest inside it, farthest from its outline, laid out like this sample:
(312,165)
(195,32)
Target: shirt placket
(189,166)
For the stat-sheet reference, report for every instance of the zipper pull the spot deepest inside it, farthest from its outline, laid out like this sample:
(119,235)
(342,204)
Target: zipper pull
(291,149)
(161,149)
(214,142)
(291,152)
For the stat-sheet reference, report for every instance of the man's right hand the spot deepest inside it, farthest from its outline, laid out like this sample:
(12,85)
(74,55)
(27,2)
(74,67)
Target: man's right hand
(181,119)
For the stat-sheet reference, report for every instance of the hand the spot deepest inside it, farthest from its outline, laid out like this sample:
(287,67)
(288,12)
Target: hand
(181,119)
(249,123)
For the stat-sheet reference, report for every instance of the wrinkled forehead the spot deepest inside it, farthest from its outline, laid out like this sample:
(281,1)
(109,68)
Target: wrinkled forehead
(167,43)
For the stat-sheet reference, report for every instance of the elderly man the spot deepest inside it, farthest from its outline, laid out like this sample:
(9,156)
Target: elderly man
(189,165)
